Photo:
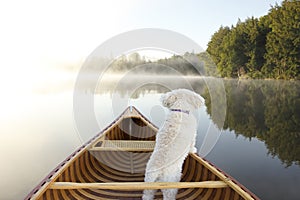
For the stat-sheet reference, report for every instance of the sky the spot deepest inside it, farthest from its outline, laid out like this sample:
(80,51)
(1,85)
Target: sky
(38,38)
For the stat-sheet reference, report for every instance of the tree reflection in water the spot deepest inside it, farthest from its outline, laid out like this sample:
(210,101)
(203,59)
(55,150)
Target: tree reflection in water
(268,110)
(265,109)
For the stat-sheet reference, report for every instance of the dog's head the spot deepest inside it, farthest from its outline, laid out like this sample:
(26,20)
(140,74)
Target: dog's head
(178,98)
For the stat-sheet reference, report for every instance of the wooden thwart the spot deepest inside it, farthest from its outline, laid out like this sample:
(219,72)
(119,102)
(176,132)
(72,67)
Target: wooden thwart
(138,185)
(125,145)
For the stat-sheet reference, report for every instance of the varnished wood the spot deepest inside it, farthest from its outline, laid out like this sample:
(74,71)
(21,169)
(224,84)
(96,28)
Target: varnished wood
(137,185)
(124,145)
(233,185)
(112,166)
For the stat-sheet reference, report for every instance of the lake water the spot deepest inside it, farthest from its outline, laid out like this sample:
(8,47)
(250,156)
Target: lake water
(249,129)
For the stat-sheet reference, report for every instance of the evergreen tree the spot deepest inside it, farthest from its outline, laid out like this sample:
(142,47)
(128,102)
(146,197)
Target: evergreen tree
(239,48)
(214,46)
(283,42)
(257,30)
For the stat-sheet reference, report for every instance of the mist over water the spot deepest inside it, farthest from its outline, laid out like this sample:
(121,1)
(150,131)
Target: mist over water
(259,143)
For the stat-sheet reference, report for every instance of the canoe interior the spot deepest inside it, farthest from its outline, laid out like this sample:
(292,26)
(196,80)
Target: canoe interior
(131,129)
(127,166)
(88,169)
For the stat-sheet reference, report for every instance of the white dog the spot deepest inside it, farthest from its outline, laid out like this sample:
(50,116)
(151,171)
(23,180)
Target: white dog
(174,140)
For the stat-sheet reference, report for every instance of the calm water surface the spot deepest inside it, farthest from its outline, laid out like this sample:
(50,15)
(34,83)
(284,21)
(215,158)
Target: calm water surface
(258,143)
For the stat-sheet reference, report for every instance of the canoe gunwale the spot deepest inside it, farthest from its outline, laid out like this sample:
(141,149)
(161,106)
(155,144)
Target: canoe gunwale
(54,173)
(232,182)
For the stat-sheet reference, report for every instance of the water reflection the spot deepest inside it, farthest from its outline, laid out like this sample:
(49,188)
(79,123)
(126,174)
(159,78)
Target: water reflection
(267,110)
(147,84)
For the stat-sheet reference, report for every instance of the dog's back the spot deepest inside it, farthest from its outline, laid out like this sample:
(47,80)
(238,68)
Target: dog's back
(174,140)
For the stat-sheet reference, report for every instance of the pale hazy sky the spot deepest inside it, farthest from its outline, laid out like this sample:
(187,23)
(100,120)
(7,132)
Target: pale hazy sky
(39,35)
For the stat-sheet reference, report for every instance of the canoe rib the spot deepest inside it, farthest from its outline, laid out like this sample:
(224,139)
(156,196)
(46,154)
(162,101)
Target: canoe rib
(138,185)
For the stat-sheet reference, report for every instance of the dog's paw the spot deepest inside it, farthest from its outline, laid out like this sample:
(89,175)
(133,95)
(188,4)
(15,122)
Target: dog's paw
(193,150)
(148,197)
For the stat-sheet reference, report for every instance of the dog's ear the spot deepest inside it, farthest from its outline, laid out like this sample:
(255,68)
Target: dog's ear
(168,100)
(197,101)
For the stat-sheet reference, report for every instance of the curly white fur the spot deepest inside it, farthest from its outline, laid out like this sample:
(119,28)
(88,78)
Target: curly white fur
(174,140)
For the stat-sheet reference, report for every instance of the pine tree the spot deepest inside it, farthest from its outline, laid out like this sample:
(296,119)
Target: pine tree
(256,30)
(214,46)
(283,42)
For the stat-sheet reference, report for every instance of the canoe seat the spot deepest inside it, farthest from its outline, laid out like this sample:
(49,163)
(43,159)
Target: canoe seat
(124,145)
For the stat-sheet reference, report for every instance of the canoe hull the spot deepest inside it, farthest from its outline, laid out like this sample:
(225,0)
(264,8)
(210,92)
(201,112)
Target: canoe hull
(119,154)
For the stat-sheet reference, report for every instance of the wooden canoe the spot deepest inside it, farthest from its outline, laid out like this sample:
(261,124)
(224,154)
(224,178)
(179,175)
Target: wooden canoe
(112,164)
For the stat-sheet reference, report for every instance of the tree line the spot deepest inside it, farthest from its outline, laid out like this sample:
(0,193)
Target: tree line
(187,64)
(265,47)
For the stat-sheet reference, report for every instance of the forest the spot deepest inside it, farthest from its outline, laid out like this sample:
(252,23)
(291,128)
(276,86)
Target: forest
(258,48)
(265,47)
